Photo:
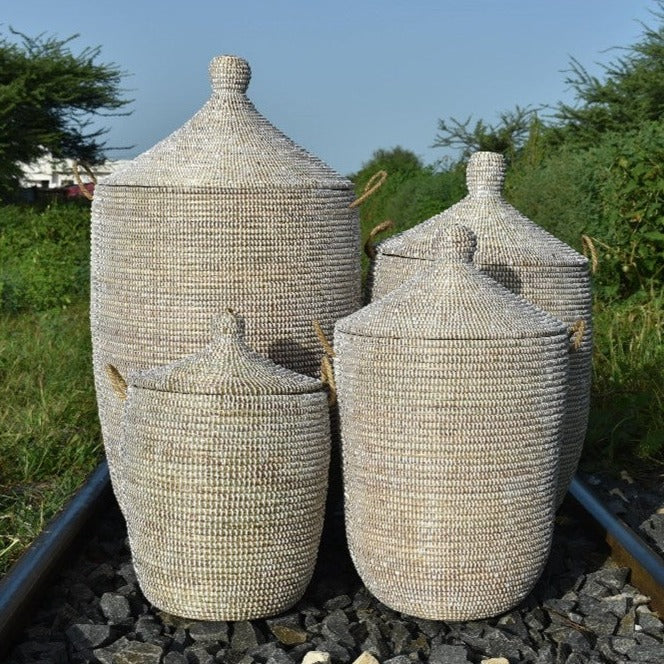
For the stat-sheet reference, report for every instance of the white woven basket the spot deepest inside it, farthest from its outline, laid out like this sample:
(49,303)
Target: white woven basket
(226,211)
(524,258)
(224,466)
(451,393)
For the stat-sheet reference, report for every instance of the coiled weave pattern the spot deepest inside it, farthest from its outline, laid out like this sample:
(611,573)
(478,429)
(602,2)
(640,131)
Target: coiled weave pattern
(524,258)
(224,465)
(226,211)
(451,393)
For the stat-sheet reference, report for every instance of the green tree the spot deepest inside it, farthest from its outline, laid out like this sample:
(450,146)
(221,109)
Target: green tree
(629,94)
(49,97)
(506,136)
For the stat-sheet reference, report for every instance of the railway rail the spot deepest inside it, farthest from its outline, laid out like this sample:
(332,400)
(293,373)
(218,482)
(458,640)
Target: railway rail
(23,589)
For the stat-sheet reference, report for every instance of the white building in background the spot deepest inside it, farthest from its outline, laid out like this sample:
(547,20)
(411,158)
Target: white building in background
(50,173)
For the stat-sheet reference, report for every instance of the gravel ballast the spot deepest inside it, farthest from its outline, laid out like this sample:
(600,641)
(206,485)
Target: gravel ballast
(582,611)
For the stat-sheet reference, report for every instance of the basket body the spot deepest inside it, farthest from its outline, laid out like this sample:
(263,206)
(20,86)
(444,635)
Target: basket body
(224,464)
(226,523)
(450,443)
(225,212)
(524,258)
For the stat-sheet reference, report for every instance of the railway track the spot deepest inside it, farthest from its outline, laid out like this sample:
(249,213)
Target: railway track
(582,608)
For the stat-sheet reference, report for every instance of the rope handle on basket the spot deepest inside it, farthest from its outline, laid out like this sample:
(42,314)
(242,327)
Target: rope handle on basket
(375,182)
(118,383)
(589,248)
(369,246)
(326,369)
(77,176)
(576,332)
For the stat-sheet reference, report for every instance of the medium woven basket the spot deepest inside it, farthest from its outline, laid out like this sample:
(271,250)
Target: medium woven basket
(524,258)
(226,211)
(451,393)
(224,465)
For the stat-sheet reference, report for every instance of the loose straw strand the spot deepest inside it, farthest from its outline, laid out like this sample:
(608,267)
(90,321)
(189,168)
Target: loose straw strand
(375,182)
(327,378)
(79,182)
(369,246)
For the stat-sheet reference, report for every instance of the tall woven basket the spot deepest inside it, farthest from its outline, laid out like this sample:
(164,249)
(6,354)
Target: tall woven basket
(523,257)
(451,392)
(224,464)
(226,211)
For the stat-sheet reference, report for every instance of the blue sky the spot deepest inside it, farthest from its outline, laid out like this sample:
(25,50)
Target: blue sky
(341,78)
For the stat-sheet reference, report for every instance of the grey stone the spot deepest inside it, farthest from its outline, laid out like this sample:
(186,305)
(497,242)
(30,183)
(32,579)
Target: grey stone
(650,623)
(627,624)
(80,592)
(146,628)
(513,623)
(287,629)
(198,654)
(373,641)
(622,645)
(399,636)
(138,653)
(280,658)
(84,637)
(265,650)
(602,623)
(340,602)
(447,654)
(245,637)
(337,652)
(653,527)
(209,631)
(336,628)
(399,659)
(127,572)
(647,654)
(179,638)
(175,658)
(105,655)
(114,607)
(428,627)
(613,578)
(616,604)
(102,578)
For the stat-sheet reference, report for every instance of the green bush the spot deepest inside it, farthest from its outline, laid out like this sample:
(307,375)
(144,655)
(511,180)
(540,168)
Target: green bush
(44,256)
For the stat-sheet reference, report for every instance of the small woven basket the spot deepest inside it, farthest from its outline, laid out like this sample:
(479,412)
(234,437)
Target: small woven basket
(224,462)
(226,211)
(524,258)
(451,393)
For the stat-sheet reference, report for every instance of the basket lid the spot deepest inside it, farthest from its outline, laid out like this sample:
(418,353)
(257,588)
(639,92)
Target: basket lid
(228,144)
(451,300)
(226,366)
(504,235)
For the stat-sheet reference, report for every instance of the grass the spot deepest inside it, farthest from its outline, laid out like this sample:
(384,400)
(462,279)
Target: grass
(49,432)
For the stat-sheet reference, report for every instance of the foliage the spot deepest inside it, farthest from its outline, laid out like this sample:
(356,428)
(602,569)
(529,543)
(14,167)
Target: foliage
(506,136)
(44,256)
(49,432)
(630,93)
(48,98)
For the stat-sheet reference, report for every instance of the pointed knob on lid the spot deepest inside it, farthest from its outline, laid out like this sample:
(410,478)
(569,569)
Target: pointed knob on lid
(485,174)
(229,73)
(228,326)
(457,243)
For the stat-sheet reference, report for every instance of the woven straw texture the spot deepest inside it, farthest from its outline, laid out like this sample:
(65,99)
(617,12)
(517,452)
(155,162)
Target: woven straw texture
(224,466)
(524,258)
(227,211)
(451,394)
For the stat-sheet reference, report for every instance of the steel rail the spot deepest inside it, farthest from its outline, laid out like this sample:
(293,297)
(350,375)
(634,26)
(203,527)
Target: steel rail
(24,582)
(627,548)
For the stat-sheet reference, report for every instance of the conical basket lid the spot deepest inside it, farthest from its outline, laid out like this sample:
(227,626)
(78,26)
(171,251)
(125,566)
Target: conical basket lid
(226,366)
(228,144)
(504,235)
(452,300)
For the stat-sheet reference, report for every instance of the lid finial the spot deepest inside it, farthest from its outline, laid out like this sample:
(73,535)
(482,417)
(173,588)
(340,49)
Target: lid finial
(485,174)
(457,242)
(228,324)
(230,73)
